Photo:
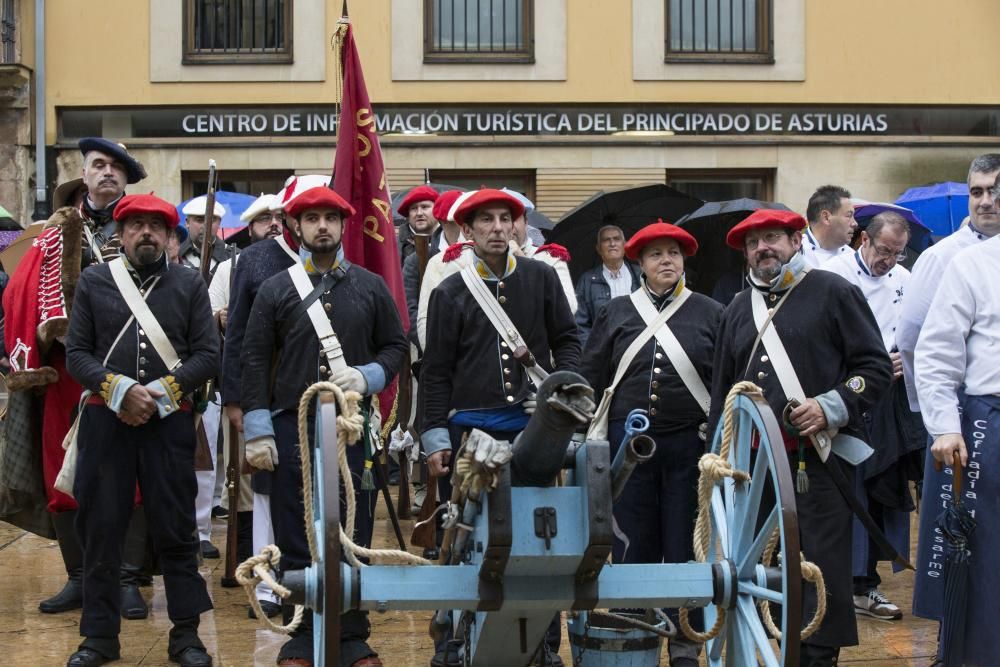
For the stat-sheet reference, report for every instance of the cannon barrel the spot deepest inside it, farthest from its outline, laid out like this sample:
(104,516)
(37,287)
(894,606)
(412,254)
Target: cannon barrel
(636,448)
(564,403)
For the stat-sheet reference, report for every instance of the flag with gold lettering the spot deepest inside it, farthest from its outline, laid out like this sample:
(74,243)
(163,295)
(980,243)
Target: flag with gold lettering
(359,177)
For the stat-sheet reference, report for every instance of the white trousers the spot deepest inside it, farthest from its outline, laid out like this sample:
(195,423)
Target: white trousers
(204,501)
(263,535)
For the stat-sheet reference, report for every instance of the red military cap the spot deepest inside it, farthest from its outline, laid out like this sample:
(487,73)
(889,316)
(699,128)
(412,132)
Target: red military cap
(146,204)
(444,203)
(483,197)
(320,196)
(419,193)
(764,217)
(660,230)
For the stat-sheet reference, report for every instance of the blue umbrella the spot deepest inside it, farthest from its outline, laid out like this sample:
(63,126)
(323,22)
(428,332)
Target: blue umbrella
(940,206)
(234,203)
(920,235)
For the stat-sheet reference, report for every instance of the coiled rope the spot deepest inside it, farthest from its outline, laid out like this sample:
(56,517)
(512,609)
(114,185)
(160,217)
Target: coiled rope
(714,468)
(350,427)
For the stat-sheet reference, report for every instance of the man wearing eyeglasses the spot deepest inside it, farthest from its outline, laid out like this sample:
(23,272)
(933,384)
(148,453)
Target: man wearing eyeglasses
(898,436)
(831,345)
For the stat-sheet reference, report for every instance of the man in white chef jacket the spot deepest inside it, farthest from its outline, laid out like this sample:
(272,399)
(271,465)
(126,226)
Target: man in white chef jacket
(957,375)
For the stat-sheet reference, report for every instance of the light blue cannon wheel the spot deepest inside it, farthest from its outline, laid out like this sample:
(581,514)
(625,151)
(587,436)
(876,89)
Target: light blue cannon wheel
(743,518)
(325,595)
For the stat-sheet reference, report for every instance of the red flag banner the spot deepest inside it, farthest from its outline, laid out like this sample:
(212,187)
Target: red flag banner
(359,177)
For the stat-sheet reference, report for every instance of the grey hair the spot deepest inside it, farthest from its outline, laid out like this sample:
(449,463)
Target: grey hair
(601,231)
(986,163)
(886,219)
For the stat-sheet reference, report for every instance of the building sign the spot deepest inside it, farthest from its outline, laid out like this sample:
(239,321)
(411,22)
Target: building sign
(532,120)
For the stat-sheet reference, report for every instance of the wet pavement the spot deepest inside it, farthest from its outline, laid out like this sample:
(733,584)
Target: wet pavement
(31,569)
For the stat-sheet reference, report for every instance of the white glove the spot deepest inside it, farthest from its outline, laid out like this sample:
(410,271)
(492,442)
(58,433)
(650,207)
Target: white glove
(488,453)
(350,379)
(262,453)
(530,404)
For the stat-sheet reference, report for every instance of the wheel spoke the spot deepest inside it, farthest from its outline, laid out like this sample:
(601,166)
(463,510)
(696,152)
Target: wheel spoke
(716,645)
(750,557)
(751,622)
(747,588)
(718,514)
(748,516)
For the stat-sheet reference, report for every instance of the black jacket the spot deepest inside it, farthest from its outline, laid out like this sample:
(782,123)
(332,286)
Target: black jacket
(407,247)
(257,263)
(187,250)
(180,304)
(593,293)
(467,367)
(831,338)
(650,374)
(362,313)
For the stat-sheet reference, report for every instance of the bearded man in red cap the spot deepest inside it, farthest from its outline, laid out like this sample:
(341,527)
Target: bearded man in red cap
(810,341)
(323,319)
(141,339)
(470,379)
(418,209)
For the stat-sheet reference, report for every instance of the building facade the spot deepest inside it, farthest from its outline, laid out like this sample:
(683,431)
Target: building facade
(557,98)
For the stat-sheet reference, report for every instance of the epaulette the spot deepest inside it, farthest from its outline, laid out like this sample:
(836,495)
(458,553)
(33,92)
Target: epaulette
(454,251)
(556,250)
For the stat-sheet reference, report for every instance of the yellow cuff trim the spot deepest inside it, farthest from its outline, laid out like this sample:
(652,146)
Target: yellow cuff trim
(108,386)
(175,389)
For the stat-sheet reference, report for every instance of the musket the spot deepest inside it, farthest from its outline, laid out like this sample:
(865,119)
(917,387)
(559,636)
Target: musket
(208,239)
(420,243)
(233,479)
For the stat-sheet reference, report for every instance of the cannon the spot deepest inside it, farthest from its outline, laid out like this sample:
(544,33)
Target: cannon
(531,548)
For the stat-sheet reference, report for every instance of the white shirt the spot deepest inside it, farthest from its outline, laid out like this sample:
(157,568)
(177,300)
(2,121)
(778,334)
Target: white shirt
(529,249)
(218,289)
(883,293)
(960,338)
(815,255)
(928,271)
(435,272)
(619,281)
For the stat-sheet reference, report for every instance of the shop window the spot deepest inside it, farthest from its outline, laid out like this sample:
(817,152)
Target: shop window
(717,185)
(477,31)
(237,31)
(251,183)
(712,31)
(472,179)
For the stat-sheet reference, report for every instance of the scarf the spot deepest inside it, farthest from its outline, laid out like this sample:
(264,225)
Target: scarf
(661,300)
(789,274)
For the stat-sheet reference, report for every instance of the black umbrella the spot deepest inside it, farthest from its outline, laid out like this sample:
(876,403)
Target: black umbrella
(631,209)
(957,525)
(717,270)
(539,221)
(398,198)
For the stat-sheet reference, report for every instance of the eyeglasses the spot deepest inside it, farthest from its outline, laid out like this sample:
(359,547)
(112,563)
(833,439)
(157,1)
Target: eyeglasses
(268,217)
(888,253)
(769,238)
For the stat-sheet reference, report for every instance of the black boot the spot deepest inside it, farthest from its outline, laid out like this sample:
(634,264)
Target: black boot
(133,606)
(71,595)
(183,645)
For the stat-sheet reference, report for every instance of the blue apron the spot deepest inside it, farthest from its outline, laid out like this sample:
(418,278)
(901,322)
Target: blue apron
(981,490)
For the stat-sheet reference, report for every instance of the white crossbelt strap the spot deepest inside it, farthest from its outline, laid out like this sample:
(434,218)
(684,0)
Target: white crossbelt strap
(143,315)
(284,246)
(599,425)
(497,316)
(783,368)
(668,341)
(328,340)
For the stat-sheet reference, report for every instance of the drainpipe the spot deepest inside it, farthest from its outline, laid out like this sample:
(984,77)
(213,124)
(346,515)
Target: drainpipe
(41,190)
